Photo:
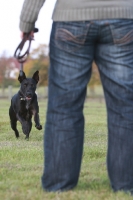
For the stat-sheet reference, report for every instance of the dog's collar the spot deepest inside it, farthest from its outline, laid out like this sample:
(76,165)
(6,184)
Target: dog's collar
(22,96)
(22,99)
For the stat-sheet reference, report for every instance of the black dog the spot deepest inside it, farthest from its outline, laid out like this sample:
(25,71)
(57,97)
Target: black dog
(24,104)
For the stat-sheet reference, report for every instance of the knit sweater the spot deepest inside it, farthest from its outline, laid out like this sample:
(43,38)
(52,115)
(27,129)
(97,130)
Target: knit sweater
(76,10)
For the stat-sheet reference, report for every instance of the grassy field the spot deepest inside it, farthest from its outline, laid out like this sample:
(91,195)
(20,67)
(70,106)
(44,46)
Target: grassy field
(21,161)
(42,92)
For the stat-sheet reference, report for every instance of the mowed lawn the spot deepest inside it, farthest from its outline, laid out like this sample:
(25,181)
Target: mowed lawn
(21,161)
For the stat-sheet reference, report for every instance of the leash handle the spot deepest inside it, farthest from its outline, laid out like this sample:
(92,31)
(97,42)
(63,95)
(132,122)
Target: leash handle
(22,58)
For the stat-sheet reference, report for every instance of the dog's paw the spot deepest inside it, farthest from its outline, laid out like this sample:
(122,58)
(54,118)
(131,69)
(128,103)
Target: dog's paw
(17,134)
(27,138)
(26,127)
(39,127)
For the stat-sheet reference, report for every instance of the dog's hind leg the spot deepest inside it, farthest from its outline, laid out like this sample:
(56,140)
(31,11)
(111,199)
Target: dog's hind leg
(14,127)
(13,121)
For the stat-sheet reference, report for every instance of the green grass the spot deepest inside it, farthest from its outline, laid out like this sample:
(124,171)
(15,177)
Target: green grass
(21,161)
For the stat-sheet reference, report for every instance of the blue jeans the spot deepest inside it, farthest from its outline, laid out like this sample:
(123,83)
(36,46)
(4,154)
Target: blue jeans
(73,47)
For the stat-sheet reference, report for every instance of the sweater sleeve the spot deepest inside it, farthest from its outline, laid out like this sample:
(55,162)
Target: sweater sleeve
(29,14)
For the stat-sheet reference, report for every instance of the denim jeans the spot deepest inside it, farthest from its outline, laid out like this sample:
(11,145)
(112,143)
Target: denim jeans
(73,47)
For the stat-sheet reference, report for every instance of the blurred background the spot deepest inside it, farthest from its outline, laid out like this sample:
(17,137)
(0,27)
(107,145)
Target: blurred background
(39,59)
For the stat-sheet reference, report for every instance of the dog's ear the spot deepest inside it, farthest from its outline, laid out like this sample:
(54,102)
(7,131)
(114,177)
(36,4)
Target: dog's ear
(36,76)
(21,76)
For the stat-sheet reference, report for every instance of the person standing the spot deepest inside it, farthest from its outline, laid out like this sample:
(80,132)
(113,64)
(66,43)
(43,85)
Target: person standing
(84,31)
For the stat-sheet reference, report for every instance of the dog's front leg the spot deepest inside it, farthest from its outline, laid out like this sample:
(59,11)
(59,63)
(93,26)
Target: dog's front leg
(37,120)
(20,118)
(26,125)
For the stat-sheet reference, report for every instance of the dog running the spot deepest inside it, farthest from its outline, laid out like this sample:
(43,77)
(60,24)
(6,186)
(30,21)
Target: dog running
(24,104)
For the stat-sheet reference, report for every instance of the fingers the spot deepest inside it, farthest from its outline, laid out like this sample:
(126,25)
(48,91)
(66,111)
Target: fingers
(22,35)
(31,35)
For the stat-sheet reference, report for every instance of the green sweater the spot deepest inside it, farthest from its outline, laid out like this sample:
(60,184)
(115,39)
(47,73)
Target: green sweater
(76,10)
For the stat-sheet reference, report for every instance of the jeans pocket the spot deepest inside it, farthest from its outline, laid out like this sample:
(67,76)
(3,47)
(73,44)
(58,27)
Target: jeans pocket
(70,36)
(122,31)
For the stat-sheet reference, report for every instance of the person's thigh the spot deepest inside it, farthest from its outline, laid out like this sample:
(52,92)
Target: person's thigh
(114,57)
(70,69)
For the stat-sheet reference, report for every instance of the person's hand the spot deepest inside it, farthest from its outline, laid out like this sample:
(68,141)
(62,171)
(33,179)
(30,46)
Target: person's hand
(31,34)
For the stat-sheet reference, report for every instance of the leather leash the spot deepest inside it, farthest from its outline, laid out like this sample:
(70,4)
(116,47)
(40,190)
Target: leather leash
(21,58)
